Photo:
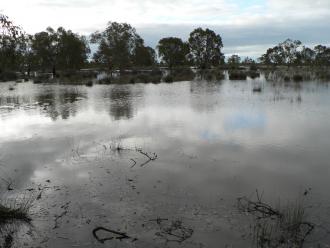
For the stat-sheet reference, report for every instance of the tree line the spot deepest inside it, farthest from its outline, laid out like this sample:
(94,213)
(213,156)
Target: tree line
(119,46)
(293,52)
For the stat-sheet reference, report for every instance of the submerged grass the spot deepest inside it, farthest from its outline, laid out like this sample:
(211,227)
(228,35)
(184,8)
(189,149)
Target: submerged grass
(281,227)
(17,209)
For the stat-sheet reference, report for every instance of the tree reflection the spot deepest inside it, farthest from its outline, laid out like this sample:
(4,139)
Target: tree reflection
(200,103)
(121,106)
(60,104)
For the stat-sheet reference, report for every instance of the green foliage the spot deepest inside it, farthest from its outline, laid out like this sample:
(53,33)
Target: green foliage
(292,52)
(144,56)
(322,55)
(234,61)
(285,53)
(205,48)
(60,49)
(120,47)
(72,50)
(173,51)
(11,45)
(238,75)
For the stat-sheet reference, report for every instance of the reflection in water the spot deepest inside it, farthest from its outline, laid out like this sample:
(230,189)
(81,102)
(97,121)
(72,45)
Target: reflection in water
(215,142)
(245,120)
(120,102)
(63,103)
(199,91)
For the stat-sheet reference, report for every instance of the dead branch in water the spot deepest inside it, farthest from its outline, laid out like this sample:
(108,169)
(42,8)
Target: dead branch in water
(121,235)
(134,162)
(257,208)
(150,157)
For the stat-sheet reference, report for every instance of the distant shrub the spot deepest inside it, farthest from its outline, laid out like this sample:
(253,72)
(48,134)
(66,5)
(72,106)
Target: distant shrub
(89,83)
(253,67)
(287,79)
(8,76)
(106,80)
(182,74)
(297,78)
(212,75)
(168,79)
(237,75)
(253,74)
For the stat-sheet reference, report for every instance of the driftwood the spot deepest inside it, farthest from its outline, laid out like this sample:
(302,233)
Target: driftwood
(150,157)
(121,235)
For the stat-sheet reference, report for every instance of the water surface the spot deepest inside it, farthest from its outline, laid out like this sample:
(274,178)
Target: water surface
(215,141)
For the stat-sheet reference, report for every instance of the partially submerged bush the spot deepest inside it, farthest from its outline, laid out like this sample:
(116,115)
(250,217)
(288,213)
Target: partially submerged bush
(133,77)
(179,74)
(15,210)
(286,79)
(297,78)
(283,226)
(10,214)
(106,80)
(238,75)
(76,75)
(42,78)
(168,78)
(89,83)
(212,75)
(253,74)
(8,76)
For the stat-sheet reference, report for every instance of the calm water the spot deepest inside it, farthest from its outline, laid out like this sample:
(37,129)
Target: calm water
(214,141)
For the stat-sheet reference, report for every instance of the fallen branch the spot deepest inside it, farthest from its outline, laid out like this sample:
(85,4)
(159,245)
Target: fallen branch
(257,208)
(150,158)
(120,236)
(134,162)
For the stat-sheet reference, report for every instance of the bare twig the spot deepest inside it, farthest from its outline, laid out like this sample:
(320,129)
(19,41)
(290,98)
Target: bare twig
(134,162)
(120,236)
(150,158)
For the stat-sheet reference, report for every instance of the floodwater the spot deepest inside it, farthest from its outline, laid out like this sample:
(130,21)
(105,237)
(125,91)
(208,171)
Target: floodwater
(82,155)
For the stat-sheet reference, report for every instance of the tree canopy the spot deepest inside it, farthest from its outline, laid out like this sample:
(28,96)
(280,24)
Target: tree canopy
(173,51)
(234,60)
(119,46)
(59,49)
(11,44)
(205,48)
(292,52)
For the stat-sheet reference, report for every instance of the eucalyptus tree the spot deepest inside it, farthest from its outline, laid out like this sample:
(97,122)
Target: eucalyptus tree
(45,49)
(322,55)
(306,56)
(205,48)
(117,45)
(11,45)
(285,53)
(73,50)
(234,61)
(60,49)
(144,56)
(173,51)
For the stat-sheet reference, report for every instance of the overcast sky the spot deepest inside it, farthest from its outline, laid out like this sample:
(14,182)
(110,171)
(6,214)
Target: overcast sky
(247,27)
